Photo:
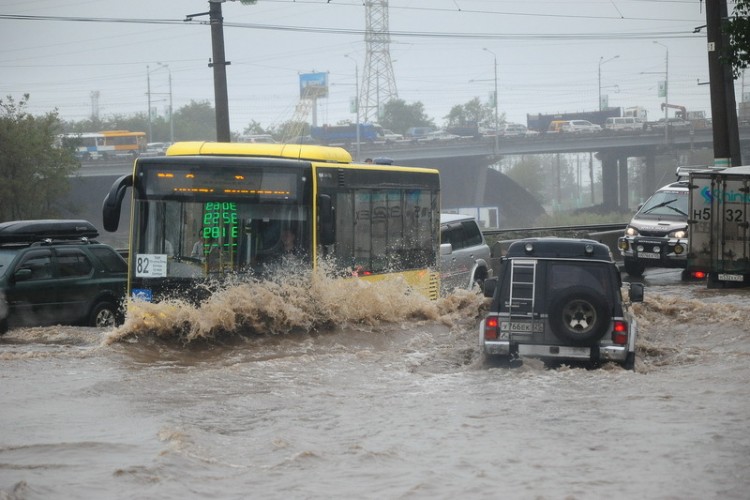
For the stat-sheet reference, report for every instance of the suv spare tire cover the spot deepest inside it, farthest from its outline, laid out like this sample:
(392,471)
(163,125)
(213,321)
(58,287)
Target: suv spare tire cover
(579,314)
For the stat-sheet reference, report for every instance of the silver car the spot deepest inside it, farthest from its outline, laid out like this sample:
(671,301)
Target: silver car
(464,254)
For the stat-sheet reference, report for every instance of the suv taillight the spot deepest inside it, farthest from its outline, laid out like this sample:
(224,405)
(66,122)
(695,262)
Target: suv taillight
(620,332)
(491,327)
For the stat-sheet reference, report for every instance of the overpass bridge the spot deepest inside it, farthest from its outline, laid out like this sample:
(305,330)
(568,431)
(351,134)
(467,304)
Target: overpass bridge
(466,178)
(613,149)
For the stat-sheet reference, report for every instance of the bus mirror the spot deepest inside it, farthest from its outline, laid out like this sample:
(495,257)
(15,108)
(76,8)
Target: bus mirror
(325,212)
(113,203)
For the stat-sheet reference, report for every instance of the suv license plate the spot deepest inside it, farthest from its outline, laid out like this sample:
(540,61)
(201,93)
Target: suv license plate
(521,326)
(649,255)
(730,277)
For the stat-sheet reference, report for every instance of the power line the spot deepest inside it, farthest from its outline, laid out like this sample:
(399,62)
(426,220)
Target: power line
(648,35)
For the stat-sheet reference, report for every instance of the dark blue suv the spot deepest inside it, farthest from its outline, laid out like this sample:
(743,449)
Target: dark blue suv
(53,272)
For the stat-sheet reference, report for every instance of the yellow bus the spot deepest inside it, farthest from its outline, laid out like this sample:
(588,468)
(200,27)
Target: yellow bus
(212,210)
(105,144)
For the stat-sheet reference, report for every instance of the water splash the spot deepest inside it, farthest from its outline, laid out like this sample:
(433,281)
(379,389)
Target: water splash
(293,302)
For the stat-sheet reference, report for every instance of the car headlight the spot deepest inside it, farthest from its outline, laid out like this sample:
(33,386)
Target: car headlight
(680,233)
(631,231)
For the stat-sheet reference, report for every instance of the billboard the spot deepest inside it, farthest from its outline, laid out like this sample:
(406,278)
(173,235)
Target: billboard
(313,85)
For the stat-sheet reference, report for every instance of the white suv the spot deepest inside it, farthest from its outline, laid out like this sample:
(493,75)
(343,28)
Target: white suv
(464,255)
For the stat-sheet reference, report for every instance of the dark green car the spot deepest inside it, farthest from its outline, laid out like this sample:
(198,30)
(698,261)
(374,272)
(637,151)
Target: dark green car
(53,272)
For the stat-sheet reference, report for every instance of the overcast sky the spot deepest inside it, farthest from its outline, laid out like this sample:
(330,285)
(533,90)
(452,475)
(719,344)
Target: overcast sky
(548,53)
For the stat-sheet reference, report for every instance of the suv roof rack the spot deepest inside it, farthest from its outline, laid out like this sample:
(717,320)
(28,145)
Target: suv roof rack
(552,247)
(30,231)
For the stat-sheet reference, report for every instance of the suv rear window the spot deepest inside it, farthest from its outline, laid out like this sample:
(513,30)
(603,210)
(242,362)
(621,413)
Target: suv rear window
(560,275)
(110,259)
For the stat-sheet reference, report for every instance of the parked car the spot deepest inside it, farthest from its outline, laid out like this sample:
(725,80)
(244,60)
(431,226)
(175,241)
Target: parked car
(52,272)
(581,127)
(560,300)
(464,254)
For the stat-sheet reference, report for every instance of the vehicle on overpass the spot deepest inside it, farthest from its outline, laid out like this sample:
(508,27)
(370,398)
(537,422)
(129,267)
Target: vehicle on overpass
(541,122)
(580,127)
(107,144)
(345,134)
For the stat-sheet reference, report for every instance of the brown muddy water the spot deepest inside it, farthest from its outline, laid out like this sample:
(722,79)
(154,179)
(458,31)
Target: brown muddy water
(344,389)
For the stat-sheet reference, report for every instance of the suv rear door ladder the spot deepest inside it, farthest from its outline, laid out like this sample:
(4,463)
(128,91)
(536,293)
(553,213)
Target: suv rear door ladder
(522,288)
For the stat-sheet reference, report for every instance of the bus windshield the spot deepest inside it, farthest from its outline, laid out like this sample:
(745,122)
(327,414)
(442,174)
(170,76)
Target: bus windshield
(217,220)
(209,237)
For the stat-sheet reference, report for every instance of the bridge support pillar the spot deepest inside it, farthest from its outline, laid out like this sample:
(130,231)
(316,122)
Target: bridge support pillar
(481,186)
(623,182)
(649,177)
(609,182)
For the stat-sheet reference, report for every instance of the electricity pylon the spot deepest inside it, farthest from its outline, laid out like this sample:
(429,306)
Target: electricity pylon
(378,81)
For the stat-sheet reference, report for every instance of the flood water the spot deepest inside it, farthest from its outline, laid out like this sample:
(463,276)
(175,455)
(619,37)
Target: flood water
(352,390)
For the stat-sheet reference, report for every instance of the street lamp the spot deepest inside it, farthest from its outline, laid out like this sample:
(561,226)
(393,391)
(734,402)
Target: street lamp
(171,120)
(148,91)
(356,98)
(666,92)
(497,122)
(602,61)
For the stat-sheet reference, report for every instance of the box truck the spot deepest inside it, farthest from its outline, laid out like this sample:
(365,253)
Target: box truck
(719,241)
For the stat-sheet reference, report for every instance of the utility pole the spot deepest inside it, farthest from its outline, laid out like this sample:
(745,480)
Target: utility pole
(356,103)
(602,61)
(219,65)
(666,95)
(148,92)
(723,105)
(497,120)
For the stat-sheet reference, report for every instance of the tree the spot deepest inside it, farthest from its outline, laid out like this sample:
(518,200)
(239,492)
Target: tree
(473,112)
(33,170)
(254,128)
(528,172)
(399,116)
(195,122)
(738,29)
